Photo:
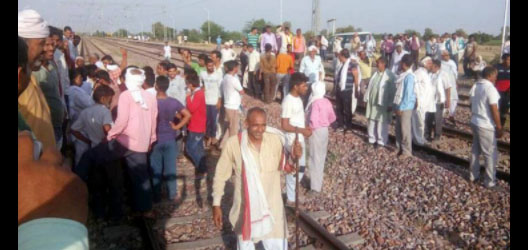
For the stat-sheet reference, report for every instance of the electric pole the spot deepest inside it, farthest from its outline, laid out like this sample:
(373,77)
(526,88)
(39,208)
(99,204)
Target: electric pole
(315,17)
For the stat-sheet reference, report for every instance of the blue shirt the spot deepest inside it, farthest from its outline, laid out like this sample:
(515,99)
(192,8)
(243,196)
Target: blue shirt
(219,41)
(409,98)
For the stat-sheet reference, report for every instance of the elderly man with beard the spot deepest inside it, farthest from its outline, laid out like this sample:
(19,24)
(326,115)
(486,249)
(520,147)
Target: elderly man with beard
(32,104)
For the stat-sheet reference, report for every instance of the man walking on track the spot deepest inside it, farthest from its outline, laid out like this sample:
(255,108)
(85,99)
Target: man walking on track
(256,156)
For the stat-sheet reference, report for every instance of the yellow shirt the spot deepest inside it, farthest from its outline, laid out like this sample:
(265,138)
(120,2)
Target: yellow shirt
(366,68)
(284,62)
(35,110)
(268,160)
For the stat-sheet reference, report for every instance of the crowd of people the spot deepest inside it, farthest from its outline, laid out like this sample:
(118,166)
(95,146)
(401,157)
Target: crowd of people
(118,115)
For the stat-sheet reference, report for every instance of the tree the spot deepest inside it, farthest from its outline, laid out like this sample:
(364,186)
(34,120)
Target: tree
(324,32)
(120,33)
(499,37)
(428,32)
(159,31)
(287,24)
(216,30)
(482,37)
(259,24)
(410,32)
(348,28)
(193,35)
(308,36)
(232,35)
(461,33)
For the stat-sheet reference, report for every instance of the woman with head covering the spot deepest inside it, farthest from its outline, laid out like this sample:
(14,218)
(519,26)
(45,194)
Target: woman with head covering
(320,114)
(397,56)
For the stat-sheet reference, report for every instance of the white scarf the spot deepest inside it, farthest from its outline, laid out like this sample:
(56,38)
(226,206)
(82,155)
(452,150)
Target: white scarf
(318,92)
(133,84)
(32,25)
(259,212)
(399,86)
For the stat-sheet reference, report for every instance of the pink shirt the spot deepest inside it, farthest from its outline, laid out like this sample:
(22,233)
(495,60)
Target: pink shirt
(135,127)
(321,114)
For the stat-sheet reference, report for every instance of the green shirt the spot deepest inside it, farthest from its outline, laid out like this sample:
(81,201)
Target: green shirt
(252,39)
(48,80)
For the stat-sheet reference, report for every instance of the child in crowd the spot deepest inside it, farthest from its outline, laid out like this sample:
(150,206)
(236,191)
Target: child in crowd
(93,123)
(78,98)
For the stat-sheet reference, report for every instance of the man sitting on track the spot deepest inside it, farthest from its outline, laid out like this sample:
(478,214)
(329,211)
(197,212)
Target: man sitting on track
(255,157)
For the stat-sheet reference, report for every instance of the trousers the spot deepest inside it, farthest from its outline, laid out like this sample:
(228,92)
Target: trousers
(254,86)
(403,132)
(485,144)
(212,113)
(231,123)
(163,166)
(268,244)
(195,148)
(101,157)
(436,120)
(283,80)
(378,131)
(344,107)
(290,178)
(418,126)
(270,80)
(504,106)
(318,148)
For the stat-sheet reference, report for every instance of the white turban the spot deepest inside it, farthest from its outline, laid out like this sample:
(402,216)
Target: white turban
(399,44)
(318,92)
(133,84)
(313,48)
(425,60)
(31,25)
(79,58)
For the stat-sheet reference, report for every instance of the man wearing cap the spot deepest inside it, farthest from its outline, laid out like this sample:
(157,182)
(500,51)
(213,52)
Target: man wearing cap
(312,67)
(32,102)
(228,53)
(424,92)
(397,56)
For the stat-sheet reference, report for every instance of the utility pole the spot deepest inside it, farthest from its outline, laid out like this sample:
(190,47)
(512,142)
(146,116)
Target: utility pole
(315,17)
(504,27)
(333,21)
(280,12)
(208,26)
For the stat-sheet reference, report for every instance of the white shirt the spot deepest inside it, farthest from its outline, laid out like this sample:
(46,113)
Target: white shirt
(53,233)
(212,84)
(311,68)
(231,88)
(450,68)
(177,90)
(482,95)
(423,88)
(396,59)
(324,43)
(79,100)
(90,123)
(167,50)
(336,47)
(293,109)
(62,67)
(254,61)
(151,91)
(441,83)
(228,55)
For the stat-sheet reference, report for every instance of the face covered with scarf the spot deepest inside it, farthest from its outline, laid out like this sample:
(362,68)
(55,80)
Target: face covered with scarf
(134,80)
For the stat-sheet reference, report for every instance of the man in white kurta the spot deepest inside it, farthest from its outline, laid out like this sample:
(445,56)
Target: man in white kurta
(422,88)
(255,158)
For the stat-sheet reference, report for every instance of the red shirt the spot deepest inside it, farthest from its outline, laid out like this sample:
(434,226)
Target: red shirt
(196,105)
(293,60)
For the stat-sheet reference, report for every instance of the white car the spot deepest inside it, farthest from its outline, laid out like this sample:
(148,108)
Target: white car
(345,43)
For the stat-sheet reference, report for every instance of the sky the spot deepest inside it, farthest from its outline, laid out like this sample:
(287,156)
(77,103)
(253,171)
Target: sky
(377,16)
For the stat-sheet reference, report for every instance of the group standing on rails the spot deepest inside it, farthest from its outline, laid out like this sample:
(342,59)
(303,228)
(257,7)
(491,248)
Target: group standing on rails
(147,119)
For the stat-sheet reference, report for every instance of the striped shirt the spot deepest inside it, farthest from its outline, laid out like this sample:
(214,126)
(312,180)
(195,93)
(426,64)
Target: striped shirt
(252,39)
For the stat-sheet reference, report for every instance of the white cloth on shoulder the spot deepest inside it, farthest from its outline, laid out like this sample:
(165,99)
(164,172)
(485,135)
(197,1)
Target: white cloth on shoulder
(399,86)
